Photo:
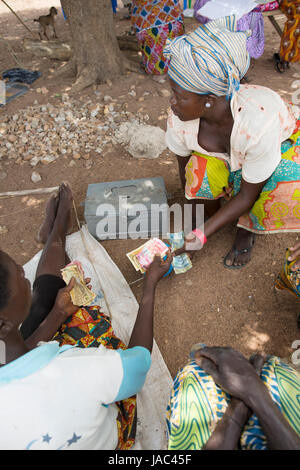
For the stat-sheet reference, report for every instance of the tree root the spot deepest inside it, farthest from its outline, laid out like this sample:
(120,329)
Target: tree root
(84,80)
(131,66)
(68,69)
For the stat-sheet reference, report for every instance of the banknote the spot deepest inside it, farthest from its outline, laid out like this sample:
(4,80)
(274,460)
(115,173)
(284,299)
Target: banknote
(180,263)
(80,294)
(142,257)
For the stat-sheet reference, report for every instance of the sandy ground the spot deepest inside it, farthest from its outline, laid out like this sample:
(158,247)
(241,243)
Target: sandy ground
(209,304)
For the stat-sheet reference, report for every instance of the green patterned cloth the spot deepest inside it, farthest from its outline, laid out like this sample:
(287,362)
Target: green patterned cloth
(197,404)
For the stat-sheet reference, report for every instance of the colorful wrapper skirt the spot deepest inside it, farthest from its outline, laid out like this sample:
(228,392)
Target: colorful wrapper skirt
(88,327)
(290,41)
(152,42)
(197,404)
(155,21)
(278,207)
(289,279)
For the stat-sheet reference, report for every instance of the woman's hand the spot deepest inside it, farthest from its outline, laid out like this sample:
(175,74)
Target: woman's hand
(63,303)
(295,254)
(231,371)
(158,268)
(191,244)
(227,192)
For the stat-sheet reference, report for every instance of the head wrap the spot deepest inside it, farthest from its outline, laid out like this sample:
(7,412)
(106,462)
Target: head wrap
(212,59)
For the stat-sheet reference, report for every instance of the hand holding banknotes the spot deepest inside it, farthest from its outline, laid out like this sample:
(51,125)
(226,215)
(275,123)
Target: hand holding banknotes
(191,244)
(63,303)
(158,268)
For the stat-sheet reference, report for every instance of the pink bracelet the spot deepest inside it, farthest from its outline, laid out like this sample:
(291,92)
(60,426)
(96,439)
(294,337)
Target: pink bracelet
(201,235)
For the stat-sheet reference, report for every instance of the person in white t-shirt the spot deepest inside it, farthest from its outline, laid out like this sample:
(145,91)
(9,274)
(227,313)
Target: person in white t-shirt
(232,141)
(77,392)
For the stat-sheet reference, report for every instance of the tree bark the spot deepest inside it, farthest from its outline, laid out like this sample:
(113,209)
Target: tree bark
(96,54)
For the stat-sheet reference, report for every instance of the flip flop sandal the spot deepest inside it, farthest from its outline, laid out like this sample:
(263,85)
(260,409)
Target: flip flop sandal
(237,253)
(280,65)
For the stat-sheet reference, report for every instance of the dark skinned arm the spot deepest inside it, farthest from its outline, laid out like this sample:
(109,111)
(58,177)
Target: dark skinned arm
(280,435)
(231,371)
(237,206)
(62,309)
(142,333)
(228,431)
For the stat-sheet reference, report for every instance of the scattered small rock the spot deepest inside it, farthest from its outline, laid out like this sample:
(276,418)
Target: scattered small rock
(164,92)
(35,177)
(42,133)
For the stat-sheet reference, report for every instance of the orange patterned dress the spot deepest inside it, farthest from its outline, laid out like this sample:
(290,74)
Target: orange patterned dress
(290,41)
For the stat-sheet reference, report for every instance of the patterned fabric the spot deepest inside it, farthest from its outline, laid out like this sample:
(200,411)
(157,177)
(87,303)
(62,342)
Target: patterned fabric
(278,207)
(88,327)
(256,42)
(197,404)
(154,13)
(212,59)
(267,6)
(152,42)
(252,20)
(289,279)
(290,41)
(155,21)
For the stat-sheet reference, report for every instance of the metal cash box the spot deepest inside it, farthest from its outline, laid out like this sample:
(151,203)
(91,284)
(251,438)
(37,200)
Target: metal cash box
(127,209)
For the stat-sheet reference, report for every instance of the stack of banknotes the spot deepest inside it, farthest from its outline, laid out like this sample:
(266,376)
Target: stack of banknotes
(143,256)
(181,263)
(80,294)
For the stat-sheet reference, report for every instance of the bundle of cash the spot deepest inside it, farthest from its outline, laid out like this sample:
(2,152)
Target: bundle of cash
(181,263)
(143,256)
(80,294)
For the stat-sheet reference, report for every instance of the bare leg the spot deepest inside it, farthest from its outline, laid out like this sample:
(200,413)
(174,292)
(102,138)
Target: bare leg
(50,216)
(53,258)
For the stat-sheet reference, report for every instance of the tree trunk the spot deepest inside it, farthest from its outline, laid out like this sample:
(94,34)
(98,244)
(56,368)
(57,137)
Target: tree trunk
(96,54)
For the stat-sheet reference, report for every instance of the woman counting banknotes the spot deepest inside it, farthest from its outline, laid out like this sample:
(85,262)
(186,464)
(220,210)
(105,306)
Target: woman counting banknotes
(78,389)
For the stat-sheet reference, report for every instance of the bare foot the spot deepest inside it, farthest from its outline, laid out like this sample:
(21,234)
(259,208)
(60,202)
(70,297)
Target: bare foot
(240,253)
(64,209)
(50,215)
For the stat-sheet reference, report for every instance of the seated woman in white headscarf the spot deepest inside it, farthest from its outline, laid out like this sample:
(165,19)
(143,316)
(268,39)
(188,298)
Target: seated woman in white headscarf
(236,142)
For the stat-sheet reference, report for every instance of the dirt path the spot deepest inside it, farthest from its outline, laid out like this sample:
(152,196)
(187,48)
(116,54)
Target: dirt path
(209,304)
